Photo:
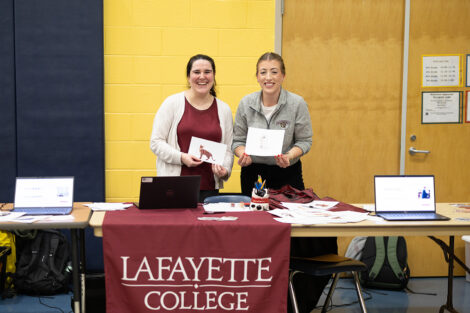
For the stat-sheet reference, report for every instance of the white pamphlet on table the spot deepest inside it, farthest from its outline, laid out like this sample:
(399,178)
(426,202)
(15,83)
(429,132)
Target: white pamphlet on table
(208,151)
(264,142)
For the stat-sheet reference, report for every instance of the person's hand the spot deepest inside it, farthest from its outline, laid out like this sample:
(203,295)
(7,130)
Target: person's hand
(219,170)
(244,160)
(190,160)
(282,160)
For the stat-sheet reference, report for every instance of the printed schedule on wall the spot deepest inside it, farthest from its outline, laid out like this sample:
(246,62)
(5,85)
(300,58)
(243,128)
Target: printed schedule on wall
(442,71)
(441,107)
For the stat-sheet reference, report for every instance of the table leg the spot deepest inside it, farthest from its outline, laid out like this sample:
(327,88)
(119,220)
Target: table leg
(450,279)
(75,271)
(81,233)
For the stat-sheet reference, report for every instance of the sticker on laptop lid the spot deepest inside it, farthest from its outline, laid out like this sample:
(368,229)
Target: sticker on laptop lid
(147,179)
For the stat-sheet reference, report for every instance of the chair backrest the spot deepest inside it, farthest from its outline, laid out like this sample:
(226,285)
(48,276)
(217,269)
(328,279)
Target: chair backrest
(228,198)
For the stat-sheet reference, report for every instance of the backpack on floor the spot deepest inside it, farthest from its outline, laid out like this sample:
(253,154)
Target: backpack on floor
(387,264)
(42,264)
(7,261)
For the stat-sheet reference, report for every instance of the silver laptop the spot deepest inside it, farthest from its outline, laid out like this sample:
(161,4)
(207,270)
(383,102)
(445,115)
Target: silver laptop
(44,195)
(406,198)
(166,192)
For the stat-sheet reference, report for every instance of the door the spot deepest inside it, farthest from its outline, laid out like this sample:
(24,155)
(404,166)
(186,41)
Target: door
(345,58)
(438,27)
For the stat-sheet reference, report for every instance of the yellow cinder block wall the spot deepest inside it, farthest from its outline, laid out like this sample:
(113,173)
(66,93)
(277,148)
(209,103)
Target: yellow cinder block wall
(147,44)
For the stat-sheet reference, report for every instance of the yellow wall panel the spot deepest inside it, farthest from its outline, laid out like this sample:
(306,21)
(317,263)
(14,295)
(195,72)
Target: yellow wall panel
(148,69)
(235,71)
(169,90)
(188,42)
(233,183)
(260,14)
(132,98)
(118,69)
(119,40)
(147,44)
(141,126)
(233,94)
(117,126)
(132,40)
(250,42)
(128,126)
(162,13)
(173,70)
(219,14)
(117,12)
(129,155)
(120,184)
(148,41)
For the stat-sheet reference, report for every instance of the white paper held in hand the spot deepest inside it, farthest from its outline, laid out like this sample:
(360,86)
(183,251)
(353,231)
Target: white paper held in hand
(264,142)
(208,151)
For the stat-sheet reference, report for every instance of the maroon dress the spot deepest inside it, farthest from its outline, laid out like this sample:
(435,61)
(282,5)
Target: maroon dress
(203,124)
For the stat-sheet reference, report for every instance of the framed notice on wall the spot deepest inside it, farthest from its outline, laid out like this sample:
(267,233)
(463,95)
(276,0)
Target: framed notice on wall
(467,113)
(442,71)
(441,107)
(468,71)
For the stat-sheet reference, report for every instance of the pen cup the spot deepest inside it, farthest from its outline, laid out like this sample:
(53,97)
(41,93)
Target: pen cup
(259,200)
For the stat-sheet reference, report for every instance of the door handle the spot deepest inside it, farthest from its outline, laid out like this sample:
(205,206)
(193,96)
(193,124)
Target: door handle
(412,151)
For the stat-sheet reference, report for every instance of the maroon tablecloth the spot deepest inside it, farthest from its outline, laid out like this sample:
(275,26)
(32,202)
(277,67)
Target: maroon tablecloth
(169,260)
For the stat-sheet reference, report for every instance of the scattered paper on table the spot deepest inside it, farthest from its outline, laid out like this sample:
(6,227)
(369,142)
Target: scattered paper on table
(225,207)
(108,206)
(220,219)
(7,216)
(314,216)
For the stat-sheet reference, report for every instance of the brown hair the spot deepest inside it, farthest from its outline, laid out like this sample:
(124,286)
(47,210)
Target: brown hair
(196,57)
(271,56)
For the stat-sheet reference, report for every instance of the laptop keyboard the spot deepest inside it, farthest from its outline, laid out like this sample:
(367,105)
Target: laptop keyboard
(44,211)
(411,215)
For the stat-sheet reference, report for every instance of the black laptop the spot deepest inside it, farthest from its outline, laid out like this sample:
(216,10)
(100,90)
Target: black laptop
(406,198)
(166,192)
(44,195)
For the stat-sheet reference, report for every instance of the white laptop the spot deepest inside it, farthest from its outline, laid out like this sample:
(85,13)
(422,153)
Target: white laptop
(44,195)
(406,198)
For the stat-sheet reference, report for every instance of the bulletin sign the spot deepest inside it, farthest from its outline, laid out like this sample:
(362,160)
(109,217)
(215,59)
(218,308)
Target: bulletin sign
(467,118)
(468,71)
(441,107)
(442,71)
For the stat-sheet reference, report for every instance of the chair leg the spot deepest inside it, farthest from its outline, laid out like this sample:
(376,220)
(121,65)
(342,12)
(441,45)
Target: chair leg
(293,299)
(359,292)
(330,293)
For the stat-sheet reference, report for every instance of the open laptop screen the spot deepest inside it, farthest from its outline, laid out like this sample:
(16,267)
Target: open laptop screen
(404,193)
(40,192)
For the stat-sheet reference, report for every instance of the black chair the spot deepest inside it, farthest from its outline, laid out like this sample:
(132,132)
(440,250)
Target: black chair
(228,198)
(322,266)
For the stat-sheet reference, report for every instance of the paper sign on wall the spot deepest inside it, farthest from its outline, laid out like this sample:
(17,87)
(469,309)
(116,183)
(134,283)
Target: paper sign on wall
(441,107)
(442,71)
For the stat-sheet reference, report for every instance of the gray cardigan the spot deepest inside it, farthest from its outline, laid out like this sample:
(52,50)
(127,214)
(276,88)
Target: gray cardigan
(291,115)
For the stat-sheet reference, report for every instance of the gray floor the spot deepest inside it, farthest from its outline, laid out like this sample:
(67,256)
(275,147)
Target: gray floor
(385,301)
(380,300)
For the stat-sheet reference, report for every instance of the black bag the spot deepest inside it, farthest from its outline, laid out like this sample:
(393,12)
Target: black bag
(387,265)
(43,266)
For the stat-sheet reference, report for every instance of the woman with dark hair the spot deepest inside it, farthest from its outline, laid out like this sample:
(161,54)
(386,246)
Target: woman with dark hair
(195,112)
(276,108)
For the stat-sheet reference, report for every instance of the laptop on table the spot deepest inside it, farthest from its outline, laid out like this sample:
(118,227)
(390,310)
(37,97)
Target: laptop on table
(167,192)
(44,195)
(406,198)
